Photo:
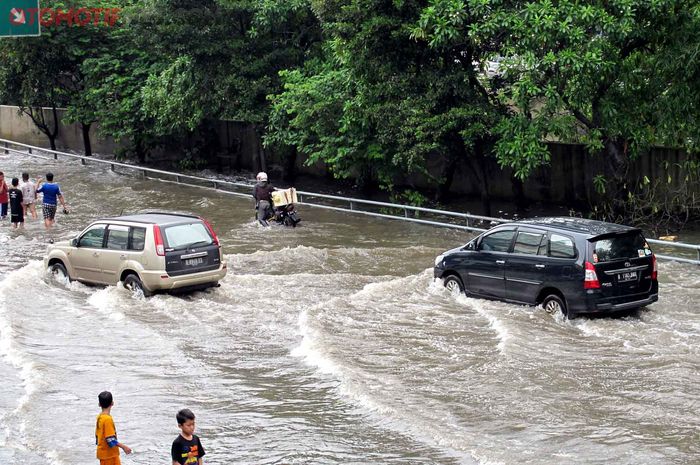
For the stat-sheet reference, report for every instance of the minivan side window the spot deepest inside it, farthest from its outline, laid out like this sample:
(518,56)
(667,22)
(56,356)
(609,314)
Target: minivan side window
(497,242)
(528,243)
(561,247)
(93,237)
(117,237)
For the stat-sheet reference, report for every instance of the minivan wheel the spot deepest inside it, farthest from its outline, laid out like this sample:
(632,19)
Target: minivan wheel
(453,284)
(553,304)
(134,284)
(58,271)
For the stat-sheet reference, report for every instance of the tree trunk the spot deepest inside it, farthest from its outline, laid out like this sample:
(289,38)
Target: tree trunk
(260,150)
(55,126)
(617,166)
(478,166)
(85,127)
(52,141)
(39,119)
(448,174)
(140,150)
(521,203)
(290,169)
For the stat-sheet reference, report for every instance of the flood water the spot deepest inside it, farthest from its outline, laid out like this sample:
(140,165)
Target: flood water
(329,344)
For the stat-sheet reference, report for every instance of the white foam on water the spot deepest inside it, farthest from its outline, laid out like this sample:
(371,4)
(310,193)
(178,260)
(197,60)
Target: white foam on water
(12,291)
(357,385)
(484,308)
(107,299)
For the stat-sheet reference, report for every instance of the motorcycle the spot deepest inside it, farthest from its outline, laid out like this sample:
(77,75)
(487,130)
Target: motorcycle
(287,215)
(282,210)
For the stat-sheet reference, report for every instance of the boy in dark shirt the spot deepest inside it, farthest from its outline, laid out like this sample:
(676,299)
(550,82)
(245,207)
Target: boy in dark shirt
(187,449)
(16,210)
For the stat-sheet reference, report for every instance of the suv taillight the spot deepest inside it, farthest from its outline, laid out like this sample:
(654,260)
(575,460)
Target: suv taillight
(591,279)
(211,230)
(158,239)
(654,270)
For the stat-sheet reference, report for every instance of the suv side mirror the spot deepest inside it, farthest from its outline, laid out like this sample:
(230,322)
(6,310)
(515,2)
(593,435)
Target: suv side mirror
(470,245)
(74,242)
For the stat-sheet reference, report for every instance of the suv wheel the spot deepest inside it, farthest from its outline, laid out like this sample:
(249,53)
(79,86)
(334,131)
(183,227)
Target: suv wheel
(453,284)
(58,272)
(134,284)
(553,304)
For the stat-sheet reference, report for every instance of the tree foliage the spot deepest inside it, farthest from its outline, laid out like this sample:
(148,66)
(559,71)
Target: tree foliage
(379,90)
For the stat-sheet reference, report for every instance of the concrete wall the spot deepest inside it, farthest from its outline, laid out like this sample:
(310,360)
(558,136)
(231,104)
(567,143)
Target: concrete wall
(567,180)
(19,127)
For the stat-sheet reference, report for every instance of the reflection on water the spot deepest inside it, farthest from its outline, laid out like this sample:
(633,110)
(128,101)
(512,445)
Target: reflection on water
(329,343)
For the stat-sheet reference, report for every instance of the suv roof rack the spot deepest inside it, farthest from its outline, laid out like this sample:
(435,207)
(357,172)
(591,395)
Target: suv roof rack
(165,212)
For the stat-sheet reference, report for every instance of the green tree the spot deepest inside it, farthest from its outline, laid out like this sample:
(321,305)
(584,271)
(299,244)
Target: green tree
(45,73)
(381,103)
(611,75)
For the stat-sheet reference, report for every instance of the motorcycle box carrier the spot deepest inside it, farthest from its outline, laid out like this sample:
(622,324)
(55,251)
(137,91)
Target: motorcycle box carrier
(283,197)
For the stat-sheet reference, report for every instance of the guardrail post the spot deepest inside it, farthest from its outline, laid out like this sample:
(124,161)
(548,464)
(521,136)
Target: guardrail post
(352,205)
(55,156)
(82,160)
(6,147)
(29,150)
(405,212)
(216,184)
(177,178)
(111,166)
(299,197)
(143,174)
(698,252)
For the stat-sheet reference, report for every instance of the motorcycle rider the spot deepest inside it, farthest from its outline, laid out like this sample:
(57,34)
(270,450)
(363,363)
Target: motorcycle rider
(262,193)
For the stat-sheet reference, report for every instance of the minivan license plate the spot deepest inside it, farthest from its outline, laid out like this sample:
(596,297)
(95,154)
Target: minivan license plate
(628,276)
(194,261)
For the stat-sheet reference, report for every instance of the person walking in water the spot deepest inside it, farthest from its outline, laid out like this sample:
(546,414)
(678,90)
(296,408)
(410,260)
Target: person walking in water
(262,193)
(52,193)
(187,448)
(28,196)
(4,198)
(16,209)
(106,434)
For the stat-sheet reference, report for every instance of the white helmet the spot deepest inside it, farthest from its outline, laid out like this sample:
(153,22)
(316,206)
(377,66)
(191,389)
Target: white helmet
(262,176)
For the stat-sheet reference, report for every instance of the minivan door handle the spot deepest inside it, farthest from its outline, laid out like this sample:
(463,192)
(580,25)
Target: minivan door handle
(122,257)
(95,254)
(539,266)
(501,262)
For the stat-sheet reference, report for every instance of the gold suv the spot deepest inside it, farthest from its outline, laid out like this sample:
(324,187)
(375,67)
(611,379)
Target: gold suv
(147,252)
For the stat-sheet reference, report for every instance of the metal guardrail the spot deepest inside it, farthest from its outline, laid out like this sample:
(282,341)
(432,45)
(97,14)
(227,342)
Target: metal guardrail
(441,217)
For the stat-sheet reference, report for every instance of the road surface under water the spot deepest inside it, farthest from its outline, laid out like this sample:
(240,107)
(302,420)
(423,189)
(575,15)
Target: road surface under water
(329,344)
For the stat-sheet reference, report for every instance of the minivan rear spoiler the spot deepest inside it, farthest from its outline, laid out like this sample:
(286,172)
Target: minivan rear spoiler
(608,235)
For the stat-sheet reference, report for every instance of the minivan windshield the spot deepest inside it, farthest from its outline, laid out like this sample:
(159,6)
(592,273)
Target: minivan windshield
(621,248)
(182,236)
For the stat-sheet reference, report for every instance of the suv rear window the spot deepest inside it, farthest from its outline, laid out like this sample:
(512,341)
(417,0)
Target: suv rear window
(182,236)
(620,248)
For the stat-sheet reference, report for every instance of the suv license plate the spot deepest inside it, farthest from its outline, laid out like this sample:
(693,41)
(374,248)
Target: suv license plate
(194,261)
(628,276)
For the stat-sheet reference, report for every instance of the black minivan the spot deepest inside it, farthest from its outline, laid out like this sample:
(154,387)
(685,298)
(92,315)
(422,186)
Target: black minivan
(573,265)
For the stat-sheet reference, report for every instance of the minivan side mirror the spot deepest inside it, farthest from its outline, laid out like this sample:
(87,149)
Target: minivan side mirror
(470,245)
(74,242)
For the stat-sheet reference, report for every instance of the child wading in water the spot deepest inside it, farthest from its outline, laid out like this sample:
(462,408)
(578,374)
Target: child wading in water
(16,209)
(106,434)
(187,449)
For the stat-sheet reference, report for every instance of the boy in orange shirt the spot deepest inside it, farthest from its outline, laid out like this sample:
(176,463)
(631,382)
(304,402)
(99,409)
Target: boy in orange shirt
(106,434)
